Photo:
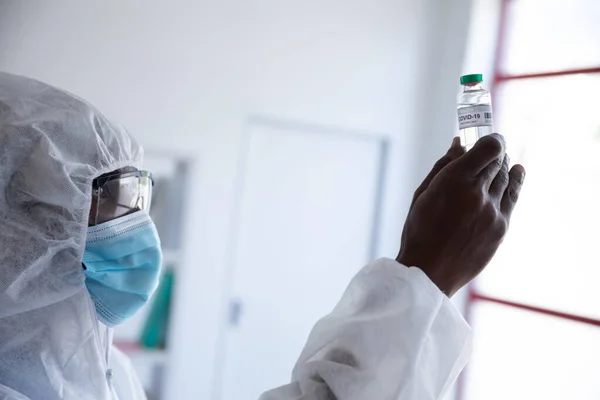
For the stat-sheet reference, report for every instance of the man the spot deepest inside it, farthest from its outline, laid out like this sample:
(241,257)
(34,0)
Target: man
(79,255)
(395,335)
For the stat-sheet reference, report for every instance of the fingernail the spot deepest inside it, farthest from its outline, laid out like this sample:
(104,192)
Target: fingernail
(521,171)
(455,141)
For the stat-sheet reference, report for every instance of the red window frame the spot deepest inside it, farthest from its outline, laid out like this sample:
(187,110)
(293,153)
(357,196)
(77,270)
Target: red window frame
(499,78)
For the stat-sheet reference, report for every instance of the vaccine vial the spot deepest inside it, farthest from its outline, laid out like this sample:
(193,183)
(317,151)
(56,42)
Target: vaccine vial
(474,108)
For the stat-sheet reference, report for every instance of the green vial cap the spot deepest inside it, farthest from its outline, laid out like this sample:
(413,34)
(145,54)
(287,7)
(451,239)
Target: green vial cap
(471,78)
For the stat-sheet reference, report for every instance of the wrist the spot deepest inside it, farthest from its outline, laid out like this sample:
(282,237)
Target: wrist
(435,274)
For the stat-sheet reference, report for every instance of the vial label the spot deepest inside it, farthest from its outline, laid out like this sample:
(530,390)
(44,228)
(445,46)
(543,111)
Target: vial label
(470,117)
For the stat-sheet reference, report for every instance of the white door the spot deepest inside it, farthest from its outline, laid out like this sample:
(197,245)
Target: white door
(306,221)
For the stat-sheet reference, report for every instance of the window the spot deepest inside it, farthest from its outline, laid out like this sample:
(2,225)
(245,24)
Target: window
(535,311)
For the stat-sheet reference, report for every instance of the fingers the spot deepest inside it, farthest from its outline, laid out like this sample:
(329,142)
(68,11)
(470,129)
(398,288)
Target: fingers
(454,152)
(500,182)
(486,150)
(516,176)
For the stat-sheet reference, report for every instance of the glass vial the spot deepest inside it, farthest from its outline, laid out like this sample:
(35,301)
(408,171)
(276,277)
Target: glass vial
(474,109)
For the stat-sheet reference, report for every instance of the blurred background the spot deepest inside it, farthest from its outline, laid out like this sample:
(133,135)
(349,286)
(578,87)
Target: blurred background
(286,139)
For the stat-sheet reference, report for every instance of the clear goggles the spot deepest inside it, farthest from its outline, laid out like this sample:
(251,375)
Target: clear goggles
(119,194)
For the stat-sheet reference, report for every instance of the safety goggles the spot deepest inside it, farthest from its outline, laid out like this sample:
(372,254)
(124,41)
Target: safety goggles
(119,194)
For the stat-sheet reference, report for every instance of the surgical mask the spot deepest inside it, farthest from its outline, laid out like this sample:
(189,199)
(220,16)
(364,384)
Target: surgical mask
(122,260)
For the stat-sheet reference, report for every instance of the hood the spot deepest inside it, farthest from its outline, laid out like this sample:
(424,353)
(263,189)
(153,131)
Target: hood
(52,145)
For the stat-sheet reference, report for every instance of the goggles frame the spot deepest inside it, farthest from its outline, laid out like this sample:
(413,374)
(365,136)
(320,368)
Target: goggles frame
(98,184)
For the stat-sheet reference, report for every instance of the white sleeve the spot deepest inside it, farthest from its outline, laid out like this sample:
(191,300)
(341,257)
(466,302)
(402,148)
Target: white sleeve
(393,335)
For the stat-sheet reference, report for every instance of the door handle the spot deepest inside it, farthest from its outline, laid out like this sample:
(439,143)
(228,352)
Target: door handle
(235,312)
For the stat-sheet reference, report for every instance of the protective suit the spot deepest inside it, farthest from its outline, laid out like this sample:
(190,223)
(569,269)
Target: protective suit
(393,336)
(52,145)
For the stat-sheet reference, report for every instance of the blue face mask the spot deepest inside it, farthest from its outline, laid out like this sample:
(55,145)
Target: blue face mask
(122,258)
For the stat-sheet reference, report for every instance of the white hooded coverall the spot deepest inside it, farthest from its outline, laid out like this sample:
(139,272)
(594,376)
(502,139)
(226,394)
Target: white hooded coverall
(393,336)
(52,145)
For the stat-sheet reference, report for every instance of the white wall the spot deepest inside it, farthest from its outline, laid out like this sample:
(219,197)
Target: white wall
(183,76)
